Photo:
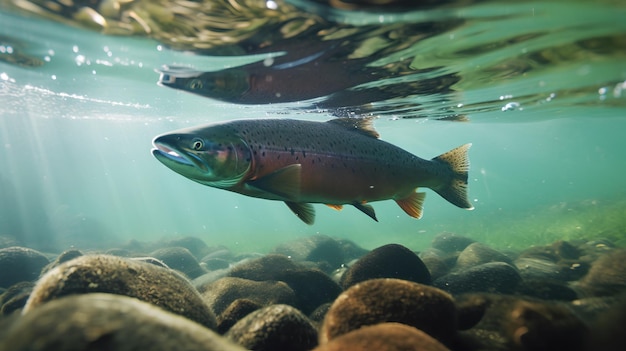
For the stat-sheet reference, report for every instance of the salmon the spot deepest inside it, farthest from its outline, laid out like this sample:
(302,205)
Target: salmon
(338,162)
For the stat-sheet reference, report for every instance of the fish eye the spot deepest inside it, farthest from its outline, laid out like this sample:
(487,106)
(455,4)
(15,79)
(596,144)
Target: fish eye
(197,144)
(196,84)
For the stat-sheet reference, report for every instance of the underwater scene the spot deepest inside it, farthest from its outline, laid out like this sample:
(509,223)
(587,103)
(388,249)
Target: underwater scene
(312,174)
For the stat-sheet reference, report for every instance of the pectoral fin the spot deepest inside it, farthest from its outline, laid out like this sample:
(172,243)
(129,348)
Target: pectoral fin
(367,209)
(284,182)
(412,204)
(304,211)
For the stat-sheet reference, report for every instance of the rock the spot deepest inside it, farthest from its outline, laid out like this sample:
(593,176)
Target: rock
(108,322)
(220,252)
(116,275)
(351,250)
(180,259)
(450,242)
(20,264)
(196,246)
(488,277)
(607,331)
(62,258)
(540,326)
(388,261)
(311,286)
(276,327)
(607,275)
(476,254)
(264,268)
(237,310)
(317,248)
(317,316)
(546,290)
(384,337)
(221,293)
(15,297)
(511,323)
(437,262)
(391,300)
(536,268)
(214,264)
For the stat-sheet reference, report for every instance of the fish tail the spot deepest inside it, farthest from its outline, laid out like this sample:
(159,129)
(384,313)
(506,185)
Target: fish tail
(455,188)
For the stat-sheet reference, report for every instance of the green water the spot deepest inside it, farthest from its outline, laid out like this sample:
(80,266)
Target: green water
(541,88)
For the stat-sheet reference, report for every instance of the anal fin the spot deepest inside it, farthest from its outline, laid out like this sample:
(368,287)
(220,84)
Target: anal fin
(335,207)
(413,204)
(304,211)
(367,209)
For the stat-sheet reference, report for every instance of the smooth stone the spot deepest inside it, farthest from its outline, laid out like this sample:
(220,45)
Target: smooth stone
(536,268)
(316,248)
(607,275)
(488,277)
(221,293)
(476,254)
(351,250)
(546,290)
(311,286)
(116,275)
(276,327)
(237,310)
(391,300)
(108,322)
(607,330)
(384,337)
(437,262)
(180,259)
(450,242)
(20,264)
(388,261)
(196,246)
(513,323)
(15,297)
(213,264)
(62,258)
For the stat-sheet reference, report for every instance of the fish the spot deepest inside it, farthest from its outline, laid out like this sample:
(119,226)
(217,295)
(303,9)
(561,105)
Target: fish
(338,162)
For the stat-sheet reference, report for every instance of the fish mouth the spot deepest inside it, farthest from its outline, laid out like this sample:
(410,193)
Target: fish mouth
(177,160)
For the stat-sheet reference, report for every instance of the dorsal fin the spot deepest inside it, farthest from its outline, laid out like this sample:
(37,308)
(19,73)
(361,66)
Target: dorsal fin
(363,125)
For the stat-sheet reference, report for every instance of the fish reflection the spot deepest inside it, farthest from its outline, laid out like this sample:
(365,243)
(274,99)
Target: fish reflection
(343,72)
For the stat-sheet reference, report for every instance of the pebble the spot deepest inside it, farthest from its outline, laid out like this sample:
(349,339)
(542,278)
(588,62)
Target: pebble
(476,254)
(20,264)
(108,322)
(320,249)
(524,324)
(15,297)
(116,275)
(221,293)
(391,300)
(276,327)
(497,277)
(196,246)
(450,242)
(180,259)
(388,261)
(384,337)
(607,275)
(311,286)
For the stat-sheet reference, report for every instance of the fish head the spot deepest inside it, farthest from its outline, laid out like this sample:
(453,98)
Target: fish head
(211,159)
(225,85)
